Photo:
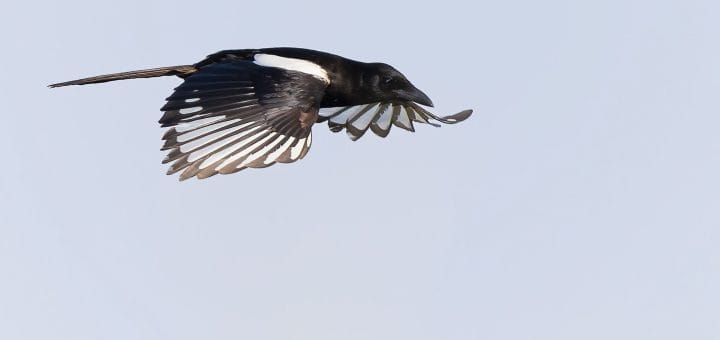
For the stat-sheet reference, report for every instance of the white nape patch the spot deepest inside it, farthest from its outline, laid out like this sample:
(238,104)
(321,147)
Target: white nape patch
(192,100)
(189,110)
(292,64)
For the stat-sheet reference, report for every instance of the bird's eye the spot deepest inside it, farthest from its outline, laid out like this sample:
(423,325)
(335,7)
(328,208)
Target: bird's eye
(388,80)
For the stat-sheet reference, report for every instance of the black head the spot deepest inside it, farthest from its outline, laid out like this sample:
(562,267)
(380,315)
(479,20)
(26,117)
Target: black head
(389,84)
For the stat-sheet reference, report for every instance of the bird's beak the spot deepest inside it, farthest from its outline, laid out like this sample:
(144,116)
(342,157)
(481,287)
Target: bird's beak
(417,96)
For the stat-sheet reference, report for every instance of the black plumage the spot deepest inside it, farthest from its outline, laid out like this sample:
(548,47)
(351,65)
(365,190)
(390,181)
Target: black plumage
(255,107)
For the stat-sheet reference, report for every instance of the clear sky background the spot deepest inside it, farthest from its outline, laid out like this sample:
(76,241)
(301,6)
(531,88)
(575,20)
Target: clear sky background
(581,201)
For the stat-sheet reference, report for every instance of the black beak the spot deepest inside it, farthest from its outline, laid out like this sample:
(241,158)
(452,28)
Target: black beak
(417,96)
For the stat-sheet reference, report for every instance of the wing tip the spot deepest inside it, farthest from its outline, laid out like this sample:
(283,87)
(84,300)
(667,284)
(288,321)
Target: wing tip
(458,117)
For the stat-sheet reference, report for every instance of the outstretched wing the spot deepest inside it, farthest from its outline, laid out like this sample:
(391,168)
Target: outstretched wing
(380,117)
(232,115)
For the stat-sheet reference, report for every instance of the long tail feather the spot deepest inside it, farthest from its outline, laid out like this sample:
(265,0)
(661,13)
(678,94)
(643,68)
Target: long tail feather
(149,73)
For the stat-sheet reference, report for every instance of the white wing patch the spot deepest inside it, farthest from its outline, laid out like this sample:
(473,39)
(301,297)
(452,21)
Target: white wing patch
(202,147)
(384,120)
(214,145)
(380,117)
(292,64)
(280,150)
(197,132)
(218,122)
(362,119)
(221,153)
(191,125)
(403,120)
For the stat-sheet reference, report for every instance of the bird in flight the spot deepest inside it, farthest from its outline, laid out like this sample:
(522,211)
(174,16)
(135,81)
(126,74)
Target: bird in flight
(252,108)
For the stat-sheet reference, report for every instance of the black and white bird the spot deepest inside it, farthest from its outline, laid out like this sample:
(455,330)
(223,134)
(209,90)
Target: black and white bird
(252,108)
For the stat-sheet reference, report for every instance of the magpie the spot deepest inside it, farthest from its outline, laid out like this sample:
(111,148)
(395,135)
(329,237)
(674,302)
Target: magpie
(252,108)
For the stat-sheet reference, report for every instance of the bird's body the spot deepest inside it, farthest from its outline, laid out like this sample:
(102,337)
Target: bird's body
(255,107)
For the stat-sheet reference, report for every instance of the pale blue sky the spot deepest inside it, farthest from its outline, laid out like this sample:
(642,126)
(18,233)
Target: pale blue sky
(581,201)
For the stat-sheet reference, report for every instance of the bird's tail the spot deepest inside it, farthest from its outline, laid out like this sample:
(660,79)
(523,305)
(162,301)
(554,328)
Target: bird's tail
(179,70)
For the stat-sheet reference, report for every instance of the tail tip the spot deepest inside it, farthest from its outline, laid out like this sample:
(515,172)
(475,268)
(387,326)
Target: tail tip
(52,86)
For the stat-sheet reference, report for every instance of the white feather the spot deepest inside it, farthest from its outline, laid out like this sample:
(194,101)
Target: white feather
(403,118)
(206,150)
(182,127)
(385,119)
(225,152)
(195,133)
(189,110)
(297,149)
(350,112)
(262,152)
(245,151)
(275,154)
(189,146)
(292,64)
(362,121)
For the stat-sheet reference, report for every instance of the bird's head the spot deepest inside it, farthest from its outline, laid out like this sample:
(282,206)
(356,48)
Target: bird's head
(389,84)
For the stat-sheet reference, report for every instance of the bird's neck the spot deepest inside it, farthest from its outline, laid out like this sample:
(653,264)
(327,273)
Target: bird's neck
(349,86)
